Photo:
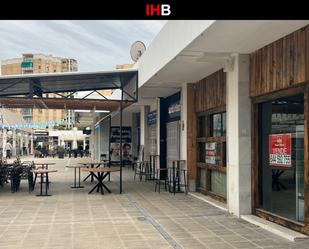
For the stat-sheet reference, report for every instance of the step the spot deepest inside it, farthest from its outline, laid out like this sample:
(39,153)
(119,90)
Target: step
(274,228)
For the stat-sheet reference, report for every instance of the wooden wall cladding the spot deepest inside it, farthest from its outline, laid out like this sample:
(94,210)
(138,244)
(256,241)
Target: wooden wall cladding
(191,133)
(210,92)
(281,64)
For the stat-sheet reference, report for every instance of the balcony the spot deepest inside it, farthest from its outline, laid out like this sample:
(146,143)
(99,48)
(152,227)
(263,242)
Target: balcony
(27,65)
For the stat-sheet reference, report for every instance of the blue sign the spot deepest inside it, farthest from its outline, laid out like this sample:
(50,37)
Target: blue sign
(152,118)
(174,110)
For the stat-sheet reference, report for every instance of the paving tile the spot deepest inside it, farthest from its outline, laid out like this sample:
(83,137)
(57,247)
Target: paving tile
(76,220)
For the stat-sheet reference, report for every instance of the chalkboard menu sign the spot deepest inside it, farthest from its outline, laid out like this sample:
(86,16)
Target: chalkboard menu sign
(152,118)
(115,134)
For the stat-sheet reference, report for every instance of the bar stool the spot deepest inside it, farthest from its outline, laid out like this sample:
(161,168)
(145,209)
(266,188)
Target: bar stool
(158,172)
(142,168)
(175,173)
(158,179)
(182,172)
(152,166)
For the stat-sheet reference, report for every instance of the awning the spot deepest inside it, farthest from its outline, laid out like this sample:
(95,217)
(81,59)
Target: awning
(65,82)
(29,90)
(59,103)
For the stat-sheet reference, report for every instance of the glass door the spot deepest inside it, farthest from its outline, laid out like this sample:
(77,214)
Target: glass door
(281,157)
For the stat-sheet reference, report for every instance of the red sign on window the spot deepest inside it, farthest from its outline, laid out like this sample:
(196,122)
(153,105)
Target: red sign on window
(280,150)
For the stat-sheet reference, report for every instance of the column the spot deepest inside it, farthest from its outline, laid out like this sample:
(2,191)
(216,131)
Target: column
(144,131)
(31,145)
(238,137)
(84,143)
(93,133)
(158,127)
(183,123)
(14,143)
(98,144)
(183,130)
(191,127)
(4,139)
(26,144)
(21,144)
(74,144)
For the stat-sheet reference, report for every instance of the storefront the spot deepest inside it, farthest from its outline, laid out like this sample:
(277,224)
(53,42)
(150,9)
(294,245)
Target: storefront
(41,140)
(207,121)
(172,125)
(279,91)
(152,132)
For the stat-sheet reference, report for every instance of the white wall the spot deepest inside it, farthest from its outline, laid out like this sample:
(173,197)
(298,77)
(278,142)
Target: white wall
(171,40)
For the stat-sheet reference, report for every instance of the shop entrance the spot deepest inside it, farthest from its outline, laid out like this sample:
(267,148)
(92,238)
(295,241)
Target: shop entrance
(281,157)
(173,140)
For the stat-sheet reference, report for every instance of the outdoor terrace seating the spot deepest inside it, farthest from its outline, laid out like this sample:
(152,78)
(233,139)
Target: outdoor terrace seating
(15,172)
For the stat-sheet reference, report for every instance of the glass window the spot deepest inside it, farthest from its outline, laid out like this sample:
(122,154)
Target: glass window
(201,176)
(281,153)
(201,125)
(218,125)
(218,183)
(211,151)
(201,152)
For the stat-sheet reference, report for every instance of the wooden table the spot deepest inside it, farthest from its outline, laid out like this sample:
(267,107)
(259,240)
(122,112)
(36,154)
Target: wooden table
(175,173)
(91,164)
(76,167)
(102,174)
(44,165)
(42,172)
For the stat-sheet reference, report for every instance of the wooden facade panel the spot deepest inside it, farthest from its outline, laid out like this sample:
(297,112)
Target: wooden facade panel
(280,64)
(210,92)
(191,131)
(307,52)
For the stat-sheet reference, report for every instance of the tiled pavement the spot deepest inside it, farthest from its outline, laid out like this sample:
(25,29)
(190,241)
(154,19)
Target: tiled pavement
(139,218)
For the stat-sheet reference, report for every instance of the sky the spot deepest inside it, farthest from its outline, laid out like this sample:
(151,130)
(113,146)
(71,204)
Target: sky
(96,45)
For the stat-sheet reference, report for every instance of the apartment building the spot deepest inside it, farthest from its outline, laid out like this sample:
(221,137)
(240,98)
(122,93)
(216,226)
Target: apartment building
(31,63)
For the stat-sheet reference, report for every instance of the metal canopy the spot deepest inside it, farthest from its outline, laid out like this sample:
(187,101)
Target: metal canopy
(31,91)
(61,103)
(65,82)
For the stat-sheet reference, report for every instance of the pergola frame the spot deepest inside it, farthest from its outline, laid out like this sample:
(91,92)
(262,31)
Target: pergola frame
(17,90)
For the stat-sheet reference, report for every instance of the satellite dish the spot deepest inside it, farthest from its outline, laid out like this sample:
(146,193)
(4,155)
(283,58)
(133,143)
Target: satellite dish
(137,49)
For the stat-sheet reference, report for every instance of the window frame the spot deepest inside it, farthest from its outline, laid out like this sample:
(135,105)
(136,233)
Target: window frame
(207,138)
(255,191)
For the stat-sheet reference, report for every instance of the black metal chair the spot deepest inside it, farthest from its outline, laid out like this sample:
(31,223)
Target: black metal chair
(159,179)
(161,174)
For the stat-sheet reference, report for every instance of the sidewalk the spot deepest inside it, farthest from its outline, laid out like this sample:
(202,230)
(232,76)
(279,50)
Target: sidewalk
(139,218)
